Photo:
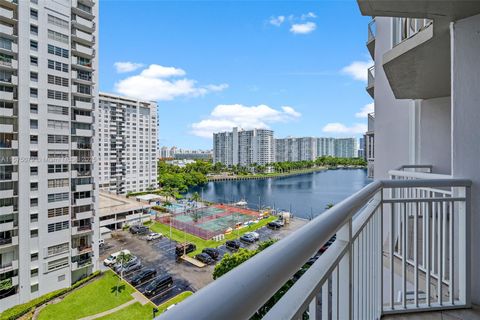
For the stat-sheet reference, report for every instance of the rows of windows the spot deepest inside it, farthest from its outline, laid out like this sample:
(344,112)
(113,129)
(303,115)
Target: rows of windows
(57,249)
(59,66)
(57,95)
(58,183)
(55,138)
(57,212)
(58,22)
(57,51)
(57,36)
(59,81)
(57,154)
(57,125)
(56,197)
(57,109)
(57,168)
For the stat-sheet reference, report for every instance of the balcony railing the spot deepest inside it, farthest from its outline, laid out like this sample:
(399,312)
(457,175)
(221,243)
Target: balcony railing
(404,28)
(402,246)
(372,30)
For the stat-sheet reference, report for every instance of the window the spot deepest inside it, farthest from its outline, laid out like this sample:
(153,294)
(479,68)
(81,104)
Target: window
(59,81)
(53,138)
(33,61)
(34,233)
(58,226)
(57,154)
(33,186)
(57,264)
(57,168)
(34,202)
(34,76)
(34,217)
(34,288)
(33,45)
(34,14)
(59,66)
(58,183)
(5,43)
(57,95)
(57,36)
(56,197)
(34,256)
(34,108)
(33,124)
(33,30)
(57,249)
(57,212)
(33,139)
(57,110)
(84,61)
(34,92)
(57,22)
(34,171)
(57,51)
(59,125)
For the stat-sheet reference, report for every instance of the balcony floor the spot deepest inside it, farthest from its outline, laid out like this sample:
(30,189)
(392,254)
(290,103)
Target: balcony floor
(461,314)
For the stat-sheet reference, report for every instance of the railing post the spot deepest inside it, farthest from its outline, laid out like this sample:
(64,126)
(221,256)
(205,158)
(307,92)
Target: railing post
(464,240)
(345,274)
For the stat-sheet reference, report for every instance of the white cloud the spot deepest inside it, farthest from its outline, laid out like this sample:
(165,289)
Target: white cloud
(126,66)
(310,15)
(368,108)
(277,21)
(303,28)
(340,128)
(358,69)
(225,117)
(155,83)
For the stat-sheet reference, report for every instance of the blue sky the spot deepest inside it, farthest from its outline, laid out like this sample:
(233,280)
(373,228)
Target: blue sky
(298,67)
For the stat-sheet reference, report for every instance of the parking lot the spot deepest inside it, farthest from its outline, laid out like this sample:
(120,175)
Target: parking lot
(160,255)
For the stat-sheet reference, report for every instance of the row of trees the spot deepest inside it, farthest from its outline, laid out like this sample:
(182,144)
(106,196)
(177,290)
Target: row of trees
(181,178)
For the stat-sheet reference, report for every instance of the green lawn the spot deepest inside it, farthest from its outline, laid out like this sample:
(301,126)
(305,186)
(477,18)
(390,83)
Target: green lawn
(179,236)
(138,312)
(95,297)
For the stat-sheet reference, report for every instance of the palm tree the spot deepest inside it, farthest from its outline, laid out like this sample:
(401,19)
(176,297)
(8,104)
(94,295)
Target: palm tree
(122,258)
(195,197)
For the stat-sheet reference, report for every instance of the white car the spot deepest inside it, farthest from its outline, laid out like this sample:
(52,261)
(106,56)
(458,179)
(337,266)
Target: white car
(153,236)
(112,259)
(255,235)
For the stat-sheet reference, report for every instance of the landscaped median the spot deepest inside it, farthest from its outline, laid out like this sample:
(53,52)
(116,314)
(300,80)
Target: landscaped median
(179,235)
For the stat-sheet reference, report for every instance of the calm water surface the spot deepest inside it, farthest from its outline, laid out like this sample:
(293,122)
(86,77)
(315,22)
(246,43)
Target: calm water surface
(304,195)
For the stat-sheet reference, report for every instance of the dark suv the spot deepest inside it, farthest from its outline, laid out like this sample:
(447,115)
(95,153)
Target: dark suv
(142,276)
(205,258)
(138,229)
(233,244)
(158,284)
(184,248)
(212,252)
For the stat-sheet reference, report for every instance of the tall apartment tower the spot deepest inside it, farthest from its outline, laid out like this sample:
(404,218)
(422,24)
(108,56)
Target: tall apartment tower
(326,147)
(127,131)
(47,102)
(308,148)
(346,148)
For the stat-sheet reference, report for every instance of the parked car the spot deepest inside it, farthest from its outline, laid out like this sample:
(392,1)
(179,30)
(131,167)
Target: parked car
(255,235)
(277,224)
(112,259)
(247,238)
(233,244)
(142,276)
(138,229)
(154,236)
(205,258)
(184,248)
(212,252)
(133,264)
(158,284)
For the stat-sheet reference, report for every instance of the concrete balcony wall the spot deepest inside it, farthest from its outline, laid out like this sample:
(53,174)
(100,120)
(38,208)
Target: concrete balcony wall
(8,30)
(6,13)
(6,95)
(84,105)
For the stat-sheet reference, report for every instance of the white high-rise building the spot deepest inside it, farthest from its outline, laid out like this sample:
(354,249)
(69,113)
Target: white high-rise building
(127,131)
(244,147)
(307,148)
(326,147)
(346,148)
(47,142)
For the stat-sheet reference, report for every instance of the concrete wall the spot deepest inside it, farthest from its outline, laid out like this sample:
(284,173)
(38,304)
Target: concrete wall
(434,134)
(465,46)
(392,125)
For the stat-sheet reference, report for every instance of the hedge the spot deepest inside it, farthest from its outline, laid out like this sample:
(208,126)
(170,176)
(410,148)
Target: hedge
(22,309)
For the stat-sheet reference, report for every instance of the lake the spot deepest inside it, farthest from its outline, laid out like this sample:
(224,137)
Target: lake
(304,195)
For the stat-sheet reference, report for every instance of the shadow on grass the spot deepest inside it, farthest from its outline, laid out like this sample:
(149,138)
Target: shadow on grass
(117,289)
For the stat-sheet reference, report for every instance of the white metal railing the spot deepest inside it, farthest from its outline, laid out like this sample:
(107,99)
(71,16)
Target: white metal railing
(371,77)
(372,30)
(366,272)
(404,28)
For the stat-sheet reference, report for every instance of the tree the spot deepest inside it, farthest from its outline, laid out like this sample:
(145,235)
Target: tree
(329,206)
(230,261)
(122,259)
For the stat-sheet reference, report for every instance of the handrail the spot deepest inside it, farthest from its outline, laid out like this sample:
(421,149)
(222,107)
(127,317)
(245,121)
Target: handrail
(255,281)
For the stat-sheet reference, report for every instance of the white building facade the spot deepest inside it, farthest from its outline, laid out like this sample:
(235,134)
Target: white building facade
(346,148)
(48,99)
(127,131)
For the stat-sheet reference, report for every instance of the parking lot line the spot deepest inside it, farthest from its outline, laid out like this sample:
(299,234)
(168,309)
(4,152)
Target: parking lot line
(163,293)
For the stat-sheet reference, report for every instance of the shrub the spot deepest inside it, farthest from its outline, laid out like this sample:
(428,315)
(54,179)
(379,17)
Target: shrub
(22,309)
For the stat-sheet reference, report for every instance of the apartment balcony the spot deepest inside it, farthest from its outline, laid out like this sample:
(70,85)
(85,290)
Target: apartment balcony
(7,210)
(6,194)
(82,215)
(8,242)
(82,202)
(83,105)
(82,132)
(11,4)
(7,226)
(82,78)
(84,119)
(402,246)
(82,65)
(6,30)
(76,91)
(7,267)
(418,66)
(82,264)
(12,64)
(7,96)
(7,15)
(84,50)
(372,30)
(84,24)
(81,250)
(83,37)
(85,13)
(371,81)
(82,230)
(12,81)
(454,10)
(7,112)
(83,187)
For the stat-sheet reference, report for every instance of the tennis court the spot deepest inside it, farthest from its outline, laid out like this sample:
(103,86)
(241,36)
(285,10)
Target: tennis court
(208,222)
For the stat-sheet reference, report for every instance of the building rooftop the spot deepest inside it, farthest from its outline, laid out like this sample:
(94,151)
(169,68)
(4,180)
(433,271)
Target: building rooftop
(111,204)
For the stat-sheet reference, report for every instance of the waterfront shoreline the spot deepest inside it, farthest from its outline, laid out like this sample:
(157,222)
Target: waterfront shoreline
(278,175)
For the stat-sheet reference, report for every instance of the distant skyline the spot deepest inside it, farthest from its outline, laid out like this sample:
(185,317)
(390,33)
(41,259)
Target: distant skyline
(298,68)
